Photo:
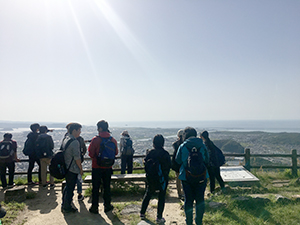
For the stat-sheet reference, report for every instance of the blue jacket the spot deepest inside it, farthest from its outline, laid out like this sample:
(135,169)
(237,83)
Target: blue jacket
(183,153)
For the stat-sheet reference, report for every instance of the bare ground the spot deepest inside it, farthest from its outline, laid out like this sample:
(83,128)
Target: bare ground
(45,209)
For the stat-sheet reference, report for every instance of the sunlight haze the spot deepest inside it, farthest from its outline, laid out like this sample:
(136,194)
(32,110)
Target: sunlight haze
(133,60)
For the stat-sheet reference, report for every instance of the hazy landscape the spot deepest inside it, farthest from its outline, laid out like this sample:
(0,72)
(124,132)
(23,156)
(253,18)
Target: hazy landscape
(228,141)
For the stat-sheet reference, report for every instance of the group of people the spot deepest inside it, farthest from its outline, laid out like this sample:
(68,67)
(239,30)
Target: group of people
(39,147)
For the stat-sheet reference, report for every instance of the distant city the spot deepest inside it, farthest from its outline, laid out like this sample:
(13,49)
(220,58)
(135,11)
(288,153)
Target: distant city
(257,141)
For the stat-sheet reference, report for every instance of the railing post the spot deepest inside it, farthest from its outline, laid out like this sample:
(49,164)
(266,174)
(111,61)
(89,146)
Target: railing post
(247,159)
(294,163)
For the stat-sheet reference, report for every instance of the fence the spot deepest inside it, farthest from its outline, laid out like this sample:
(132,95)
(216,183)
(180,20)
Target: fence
(246,155)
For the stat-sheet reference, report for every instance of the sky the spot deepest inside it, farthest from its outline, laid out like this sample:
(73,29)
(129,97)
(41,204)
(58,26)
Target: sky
(151,60)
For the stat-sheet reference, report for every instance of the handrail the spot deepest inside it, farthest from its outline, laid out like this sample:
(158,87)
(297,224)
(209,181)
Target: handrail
(246,155)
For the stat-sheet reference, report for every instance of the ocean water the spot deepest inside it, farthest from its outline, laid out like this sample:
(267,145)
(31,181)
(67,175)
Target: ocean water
(274,126)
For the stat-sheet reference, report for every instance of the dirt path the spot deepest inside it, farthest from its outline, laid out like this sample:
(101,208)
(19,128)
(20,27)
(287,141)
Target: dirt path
(44,209)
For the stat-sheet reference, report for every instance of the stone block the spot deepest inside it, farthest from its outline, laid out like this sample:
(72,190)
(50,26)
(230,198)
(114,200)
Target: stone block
(16,194)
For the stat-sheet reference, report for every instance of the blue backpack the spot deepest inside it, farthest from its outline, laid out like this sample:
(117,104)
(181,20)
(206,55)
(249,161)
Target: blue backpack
(196,169)
(107,152)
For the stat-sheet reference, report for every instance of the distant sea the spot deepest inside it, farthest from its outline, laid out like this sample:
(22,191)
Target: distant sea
(273,126)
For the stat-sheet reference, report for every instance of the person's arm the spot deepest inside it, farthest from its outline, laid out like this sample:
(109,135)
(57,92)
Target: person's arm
(92,148)
(78,163)
(178,158)
(15,152)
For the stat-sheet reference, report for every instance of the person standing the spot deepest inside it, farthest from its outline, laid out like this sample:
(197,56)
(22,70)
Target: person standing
(157,156)
(44,151)
(193,191)
(29,150)
(214,164)
(8,157)
(83,150)
(175,165)
(126,152)
(101,174)
(72,156)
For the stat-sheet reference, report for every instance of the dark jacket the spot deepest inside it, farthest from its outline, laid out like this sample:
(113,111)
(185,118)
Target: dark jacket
(44,146)
(175,165)
(29,147)
(211,148)
(164,159)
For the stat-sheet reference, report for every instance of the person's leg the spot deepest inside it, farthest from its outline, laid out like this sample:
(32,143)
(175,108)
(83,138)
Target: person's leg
(161,203)
(96,182)
(106,178)
(218,177)
(200,205)
(188,202)
(3,174)
(68,191)
(30,168)
(178,185)
(11,172)
(44,170)
(146,199)
(130,164)
(212,182)
(37,160)
(123,164)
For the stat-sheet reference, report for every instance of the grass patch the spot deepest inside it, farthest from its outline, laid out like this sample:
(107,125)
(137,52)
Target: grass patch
(12,211)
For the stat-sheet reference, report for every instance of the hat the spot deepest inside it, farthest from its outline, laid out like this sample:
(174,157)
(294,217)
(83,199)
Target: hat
(125,133)
(43,129)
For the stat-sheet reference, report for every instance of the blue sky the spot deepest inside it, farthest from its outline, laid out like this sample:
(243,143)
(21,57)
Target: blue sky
(155,60)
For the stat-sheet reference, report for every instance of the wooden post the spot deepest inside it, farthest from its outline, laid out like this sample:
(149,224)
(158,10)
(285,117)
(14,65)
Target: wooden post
(247,159)
(294,163)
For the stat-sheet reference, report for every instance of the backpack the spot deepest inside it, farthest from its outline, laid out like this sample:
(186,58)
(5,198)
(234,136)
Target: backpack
(57,167)
(154,173)
(128,150)
(220,157)
(195,170)
(107,152)
(6,149)
(28,147)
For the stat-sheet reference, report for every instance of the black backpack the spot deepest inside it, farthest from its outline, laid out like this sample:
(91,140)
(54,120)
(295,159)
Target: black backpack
(174,165)
(196,169)
(6,149)
(28,147)
(107,153)
(154,173)
(128,150)
(57,167)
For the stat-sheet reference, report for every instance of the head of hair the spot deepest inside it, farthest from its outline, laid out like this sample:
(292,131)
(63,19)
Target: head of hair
(73,126)
(189,132)
(7,136)
(34,127)
(103,125)
(205,135)
(180,134)
(43,129)
(158,141)
(125,133)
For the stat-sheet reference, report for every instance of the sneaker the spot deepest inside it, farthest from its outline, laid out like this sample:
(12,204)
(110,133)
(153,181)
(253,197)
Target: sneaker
(32,183)
(72,210)
(52,185)
(45,186)
(80,197)
(142,216)
(108,208)
(161,220)
(93,210)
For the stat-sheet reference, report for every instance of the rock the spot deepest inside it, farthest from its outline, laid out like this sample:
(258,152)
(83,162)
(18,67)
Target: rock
(241,198)
(16,194)
(216,205)
(129,209)
(143,222)
(282,199)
